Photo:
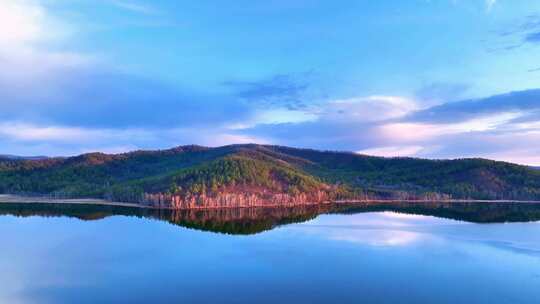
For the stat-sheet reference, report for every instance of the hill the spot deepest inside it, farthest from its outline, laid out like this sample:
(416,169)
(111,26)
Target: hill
(259,175)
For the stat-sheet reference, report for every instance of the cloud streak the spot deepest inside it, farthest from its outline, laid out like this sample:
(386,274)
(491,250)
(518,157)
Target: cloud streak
(490,4)
(533,37)
(280,90)
(135,7)
(521,101)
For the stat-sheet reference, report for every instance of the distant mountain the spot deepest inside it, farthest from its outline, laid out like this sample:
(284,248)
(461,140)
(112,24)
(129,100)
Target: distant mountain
(15,157)
(261,175)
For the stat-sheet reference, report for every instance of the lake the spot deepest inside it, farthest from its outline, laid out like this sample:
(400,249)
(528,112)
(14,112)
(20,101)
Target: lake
(390,253)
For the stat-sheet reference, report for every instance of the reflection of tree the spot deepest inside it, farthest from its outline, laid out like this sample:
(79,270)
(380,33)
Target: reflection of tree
(255,220)
(470,212)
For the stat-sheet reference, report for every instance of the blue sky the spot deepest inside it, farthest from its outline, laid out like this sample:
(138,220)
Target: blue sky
(422,78)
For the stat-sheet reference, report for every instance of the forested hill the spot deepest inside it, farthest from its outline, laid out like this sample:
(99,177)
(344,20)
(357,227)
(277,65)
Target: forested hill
(252,175)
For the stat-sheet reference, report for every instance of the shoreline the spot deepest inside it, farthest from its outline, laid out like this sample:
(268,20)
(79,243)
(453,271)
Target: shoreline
(440,201)
(15,199)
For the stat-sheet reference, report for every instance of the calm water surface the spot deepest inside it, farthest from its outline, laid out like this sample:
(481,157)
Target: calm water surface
(358,256)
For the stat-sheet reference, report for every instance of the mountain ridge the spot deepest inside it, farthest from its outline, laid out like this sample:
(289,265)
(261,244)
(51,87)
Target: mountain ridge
(193,176)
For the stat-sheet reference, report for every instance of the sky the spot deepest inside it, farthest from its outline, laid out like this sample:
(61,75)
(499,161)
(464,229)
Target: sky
(418,78)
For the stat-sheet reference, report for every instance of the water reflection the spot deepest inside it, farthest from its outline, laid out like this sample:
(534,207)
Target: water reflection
(398,253)
(377,238)
(255,220)
(393,229)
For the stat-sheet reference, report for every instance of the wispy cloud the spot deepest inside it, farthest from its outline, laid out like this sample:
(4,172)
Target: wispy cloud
(521,101)
(490,4)
(280,90)
(367,109)
(533,37)
(135,7)
(524,32)
(441,92)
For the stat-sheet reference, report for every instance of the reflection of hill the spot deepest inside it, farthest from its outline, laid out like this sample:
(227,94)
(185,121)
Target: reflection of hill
(241,220)
(468,212)
(255,220)
(229,220)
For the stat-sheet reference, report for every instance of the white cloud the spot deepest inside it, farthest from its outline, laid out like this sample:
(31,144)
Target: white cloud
(134,7)
(358,109)
(222,139)
(30,139)
(20,22)
(490,4)
(28,24)
(418,132)
(520,155)
(25,132)
(28,29)
(368,109)
(393,151)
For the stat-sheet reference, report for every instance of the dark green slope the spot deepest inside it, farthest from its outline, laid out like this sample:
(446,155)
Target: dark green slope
(195,169)
(239,170)
(462,178)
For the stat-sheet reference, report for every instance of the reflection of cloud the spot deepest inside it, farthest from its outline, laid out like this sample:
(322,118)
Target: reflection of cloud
(521,248)
(403,216)
(374,220)
(375,237)
(374,228)
(386,228)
